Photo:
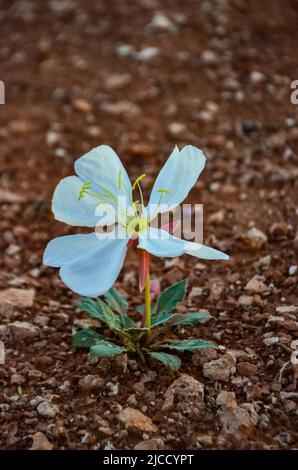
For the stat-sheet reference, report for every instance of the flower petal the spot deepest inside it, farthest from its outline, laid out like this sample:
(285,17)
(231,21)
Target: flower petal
(160,243)
(89,265)
(67,207)
(178,176)
(103,168)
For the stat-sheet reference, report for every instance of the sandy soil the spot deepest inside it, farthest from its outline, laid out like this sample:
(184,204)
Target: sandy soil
(217,75)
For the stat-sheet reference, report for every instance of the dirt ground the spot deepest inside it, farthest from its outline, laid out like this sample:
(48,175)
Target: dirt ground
(142,76)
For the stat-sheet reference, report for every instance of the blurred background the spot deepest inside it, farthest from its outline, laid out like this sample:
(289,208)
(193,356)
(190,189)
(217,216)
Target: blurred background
(142,76)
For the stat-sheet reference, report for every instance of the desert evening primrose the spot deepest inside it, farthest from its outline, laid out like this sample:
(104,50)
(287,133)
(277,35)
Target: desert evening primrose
(102,195)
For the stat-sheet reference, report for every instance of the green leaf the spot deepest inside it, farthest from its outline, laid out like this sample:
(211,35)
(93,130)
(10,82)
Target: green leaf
(169,360)
(160,319)
(140,308)
(85,338)
(101,311)
(170,297)
(192,318)
(190,345)
(106,349)
(91,307)
(116,301)
(135,333)
(126,322)
(110,318)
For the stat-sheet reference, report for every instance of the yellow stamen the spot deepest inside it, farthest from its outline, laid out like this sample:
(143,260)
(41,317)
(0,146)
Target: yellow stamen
(136,183)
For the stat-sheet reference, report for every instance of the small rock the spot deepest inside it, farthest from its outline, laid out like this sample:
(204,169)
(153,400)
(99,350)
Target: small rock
(117,81)
(216,287)
(186,391)
(112,388)
(90,383)
(103,426)
(82,105)
(246,368)
(199,358)
(274,319)
(175,275)
(125,50)
(195,292)
(41,320)
(287,309)
(121,108)
(256,286)
(292,269)
(52,138)
(206,440)
(147,54)
(94,131)
(47,409)
(217,218)
(17,379)
(226,399)
(60,153)
(281,231)
(245,300)
(134,419)
(256,77)
(132,400)
(264,261)
(219,369)
(271,340)
(238,422)
(142,149)
(2,353)
(23,330)
(19,126)
(161,21)
(18,297)
(12,249)
(176,129)
(255,239)
(40,442)
(209,57)
(150,444)
(8,197)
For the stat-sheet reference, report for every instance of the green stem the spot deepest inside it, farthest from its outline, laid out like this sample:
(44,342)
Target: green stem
(148,303)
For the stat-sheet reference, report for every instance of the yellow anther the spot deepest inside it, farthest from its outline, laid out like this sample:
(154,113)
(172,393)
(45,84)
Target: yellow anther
(139,178)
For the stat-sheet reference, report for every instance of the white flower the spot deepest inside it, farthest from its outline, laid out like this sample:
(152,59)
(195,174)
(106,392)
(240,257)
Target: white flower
(101,194)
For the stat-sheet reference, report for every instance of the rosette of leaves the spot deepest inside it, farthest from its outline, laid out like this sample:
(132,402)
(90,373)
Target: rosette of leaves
(122,334)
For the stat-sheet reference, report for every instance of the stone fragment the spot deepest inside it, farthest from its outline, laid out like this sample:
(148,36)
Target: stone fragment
(225,398)
(18,297)
(185,391)
(82,105)
(41,442)
(256,286)
(134,419)
(255,239)
(2,353)
(219,369)
(90,383)
(246,368)
(8,197)
(245,300)
(47,409)
(150,444)
(23,330)
(287,309)
(238,422)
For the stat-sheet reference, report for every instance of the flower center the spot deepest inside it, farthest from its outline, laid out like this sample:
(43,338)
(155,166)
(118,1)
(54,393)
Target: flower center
(135,225)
